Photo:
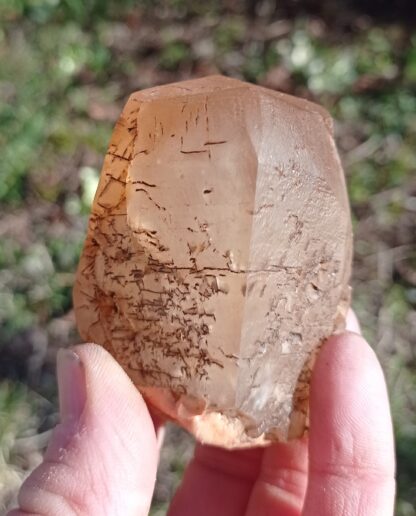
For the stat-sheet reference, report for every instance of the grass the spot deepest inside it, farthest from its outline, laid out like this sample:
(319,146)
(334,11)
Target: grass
(67,67)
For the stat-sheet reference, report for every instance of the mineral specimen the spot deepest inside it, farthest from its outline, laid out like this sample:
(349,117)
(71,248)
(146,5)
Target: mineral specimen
(218,255)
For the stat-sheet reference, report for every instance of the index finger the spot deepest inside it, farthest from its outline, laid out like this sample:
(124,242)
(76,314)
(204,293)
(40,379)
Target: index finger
(351,450)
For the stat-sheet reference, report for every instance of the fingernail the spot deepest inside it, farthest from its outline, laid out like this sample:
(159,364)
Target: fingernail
(71,383)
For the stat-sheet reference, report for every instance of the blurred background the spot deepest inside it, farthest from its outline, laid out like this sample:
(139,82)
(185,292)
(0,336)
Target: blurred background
(66,69)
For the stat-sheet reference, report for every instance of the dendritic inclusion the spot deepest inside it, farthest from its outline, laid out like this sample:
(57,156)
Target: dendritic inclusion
(218,255)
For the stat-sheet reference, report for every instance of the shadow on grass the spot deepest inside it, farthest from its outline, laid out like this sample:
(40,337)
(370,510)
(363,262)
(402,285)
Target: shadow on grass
(406,466)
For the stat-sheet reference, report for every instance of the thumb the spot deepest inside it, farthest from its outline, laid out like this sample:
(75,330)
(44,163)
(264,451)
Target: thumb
(102,457)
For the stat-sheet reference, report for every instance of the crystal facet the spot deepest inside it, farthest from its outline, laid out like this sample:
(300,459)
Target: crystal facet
(218,255)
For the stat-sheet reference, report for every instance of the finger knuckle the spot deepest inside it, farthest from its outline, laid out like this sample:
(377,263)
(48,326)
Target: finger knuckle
(53,489)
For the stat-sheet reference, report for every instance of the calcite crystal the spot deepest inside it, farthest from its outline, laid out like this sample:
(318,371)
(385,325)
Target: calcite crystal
(218,255)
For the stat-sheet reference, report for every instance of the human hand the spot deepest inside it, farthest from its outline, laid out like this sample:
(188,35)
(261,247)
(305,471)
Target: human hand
(102,458)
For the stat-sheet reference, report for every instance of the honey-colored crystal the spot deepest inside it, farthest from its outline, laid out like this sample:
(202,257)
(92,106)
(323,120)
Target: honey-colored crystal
(218,255)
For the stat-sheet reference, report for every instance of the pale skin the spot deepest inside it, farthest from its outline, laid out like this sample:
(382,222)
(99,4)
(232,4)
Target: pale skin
(102,458)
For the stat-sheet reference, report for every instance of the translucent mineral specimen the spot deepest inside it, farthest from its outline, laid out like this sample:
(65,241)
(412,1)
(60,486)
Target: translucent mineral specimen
(218,255)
